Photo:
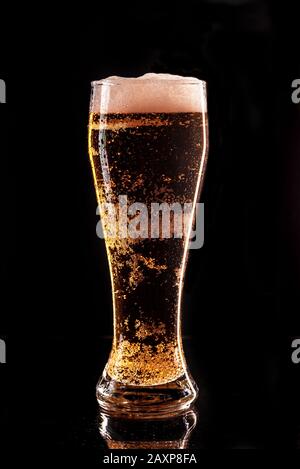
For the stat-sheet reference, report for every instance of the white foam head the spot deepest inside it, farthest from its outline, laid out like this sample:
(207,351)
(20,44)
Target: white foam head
(152,92)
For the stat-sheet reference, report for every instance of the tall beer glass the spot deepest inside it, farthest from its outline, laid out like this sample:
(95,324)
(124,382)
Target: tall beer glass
(148,143)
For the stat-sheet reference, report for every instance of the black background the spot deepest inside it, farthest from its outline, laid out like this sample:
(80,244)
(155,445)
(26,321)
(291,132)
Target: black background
(241,301)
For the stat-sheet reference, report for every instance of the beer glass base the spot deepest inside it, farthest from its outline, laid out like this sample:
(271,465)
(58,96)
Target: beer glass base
(160,401)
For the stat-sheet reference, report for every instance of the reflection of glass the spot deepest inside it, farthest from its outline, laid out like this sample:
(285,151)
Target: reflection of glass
(170,433)
(147,141)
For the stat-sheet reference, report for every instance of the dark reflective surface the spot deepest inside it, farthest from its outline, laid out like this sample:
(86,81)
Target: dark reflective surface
(60,411)
(241,298)
(171,433)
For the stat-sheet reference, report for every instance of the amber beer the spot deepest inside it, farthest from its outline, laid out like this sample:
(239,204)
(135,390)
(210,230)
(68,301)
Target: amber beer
(152,151)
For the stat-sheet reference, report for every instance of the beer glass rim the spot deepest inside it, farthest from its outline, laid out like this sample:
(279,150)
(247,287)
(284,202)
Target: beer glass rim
(142,82)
